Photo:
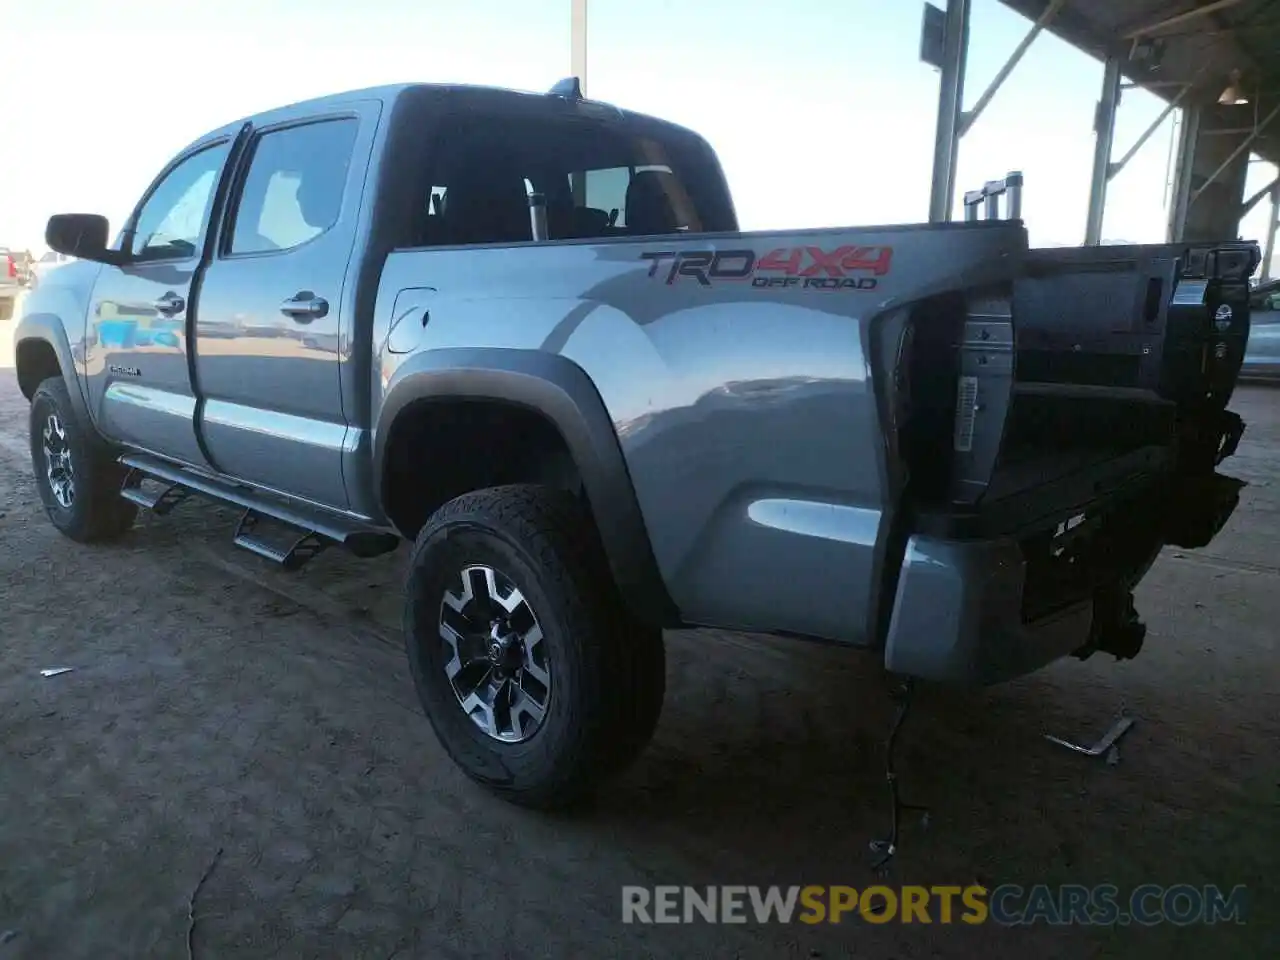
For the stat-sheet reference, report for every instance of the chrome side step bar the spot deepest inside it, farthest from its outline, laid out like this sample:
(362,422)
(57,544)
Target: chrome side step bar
(317,528)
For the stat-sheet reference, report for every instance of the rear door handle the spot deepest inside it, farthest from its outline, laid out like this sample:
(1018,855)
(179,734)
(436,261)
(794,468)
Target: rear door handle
(169,304)
(305,307)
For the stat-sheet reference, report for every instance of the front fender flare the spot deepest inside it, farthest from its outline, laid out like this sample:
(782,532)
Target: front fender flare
(561,391)
(49,328)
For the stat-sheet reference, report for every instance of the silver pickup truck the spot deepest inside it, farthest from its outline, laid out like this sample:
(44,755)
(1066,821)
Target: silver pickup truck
(524,333)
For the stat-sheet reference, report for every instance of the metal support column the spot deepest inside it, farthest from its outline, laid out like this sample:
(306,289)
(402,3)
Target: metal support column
(950,102)
(1183,173)
(1244,145)
(1269,250)
(1105,127)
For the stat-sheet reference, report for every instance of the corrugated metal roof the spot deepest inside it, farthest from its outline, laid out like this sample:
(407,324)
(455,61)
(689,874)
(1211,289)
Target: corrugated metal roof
(1163,48)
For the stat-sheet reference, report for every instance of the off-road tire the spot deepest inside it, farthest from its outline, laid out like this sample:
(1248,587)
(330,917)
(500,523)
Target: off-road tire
(608,669)
(97,512)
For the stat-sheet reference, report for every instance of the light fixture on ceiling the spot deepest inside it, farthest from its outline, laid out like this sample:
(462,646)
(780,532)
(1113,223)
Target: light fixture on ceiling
(1147,53)
(1234,94)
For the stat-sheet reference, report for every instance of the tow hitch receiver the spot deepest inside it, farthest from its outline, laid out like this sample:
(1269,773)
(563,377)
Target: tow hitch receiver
(1199,507)
(1117,629)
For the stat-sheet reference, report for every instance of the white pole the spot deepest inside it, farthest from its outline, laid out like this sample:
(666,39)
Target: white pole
(578,68)
(578,33)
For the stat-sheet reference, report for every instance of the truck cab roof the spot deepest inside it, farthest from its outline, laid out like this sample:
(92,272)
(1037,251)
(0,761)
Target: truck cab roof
(424,95)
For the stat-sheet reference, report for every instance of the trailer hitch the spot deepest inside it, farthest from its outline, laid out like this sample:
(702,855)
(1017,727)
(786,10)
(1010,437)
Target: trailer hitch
(1208,439)
(1230,432)
(1199,506)
(1117,629)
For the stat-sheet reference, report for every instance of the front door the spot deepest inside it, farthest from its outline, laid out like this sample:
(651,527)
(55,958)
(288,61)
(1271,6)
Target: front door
(137,358)
(274,305)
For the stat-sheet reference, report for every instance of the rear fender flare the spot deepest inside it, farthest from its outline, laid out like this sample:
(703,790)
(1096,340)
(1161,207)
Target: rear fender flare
(560,391)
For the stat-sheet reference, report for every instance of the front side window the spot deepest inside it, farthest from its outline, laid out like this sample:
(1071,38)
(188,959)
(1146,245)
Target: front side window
(294,187)
(173,218)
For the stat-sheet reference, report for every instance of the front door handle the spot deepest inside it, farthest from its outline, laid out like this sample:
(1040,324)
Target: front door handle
(170,304)
(305,307)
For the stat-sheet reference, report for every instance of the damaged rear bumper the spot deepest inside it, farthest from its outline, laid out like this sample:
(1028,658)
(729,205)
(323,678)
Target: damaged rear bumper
(975,611)
(957,615)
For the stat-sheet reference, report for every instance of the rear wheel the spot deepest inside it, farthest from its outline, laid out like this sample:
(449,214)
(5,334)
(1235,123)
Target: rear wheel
(78,478)
(537,681)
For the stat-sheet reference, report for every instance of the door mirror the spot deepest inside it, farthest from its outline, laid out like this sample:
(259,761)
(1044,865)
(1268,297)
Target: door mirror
(82,235)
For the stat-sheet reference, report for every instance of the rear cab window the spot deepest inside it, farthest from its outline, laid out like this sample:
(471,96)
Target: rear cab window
(600,177)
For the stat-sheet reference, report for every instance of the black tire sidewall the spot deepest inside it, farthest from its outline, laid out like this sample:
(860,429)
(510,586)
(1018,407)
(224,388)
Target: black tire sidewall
(51,397)
(98,512)
(555,749)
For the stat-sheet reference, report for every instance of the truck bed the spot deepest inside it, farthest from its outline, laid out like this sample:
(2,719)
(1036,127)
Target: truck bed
(1117,351)
(946,382)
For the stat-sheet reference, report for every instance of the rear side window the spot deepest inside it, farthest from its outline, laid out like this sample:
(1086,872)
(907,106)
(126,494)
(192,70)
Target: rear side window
(293,190)
(599,178)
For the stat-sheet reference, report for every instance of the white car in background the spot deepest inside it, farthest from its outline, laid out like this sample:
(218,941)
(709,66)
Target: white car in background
(40,268)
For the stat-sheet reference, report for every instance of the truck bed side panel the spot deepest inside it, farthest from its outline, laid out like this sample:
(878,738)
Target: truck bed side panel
(746,405)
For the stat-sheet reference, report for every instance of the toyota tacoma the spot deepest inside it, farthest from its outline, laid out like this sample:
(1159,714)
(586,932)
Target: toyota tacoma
(524,333)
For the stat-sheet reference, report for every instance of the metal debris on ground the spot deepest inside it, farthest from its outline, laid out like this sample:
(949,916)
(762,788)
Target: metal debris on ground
(1107,745)
(55,671)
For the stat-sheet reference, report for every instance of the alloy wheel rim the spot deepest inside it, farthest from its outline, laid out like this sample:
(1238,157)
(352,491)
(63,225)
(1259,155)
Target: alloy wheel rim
(497,664)
(59,470)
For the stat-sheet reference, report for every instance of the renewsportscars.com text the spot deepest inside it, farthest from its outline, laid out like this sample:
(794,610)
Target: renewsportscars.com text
(1005,905)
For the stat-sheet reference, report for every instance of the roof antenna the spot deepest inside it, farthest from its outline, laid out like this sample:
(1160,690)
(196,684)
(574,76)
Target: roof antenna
(570,88)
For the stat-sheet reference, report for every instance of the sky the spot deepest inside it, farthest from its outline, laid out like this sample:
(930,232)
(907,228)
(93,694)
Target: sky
(822,112)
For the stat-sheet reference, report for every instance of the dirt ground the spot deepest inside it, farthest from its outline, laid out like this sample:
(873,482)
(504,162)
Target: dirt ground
(217,704)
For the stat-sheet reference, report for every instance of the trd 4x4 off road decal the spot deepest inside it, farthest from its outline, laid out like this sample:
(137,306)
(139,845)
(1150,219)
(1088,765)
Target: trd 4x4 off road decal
(807,268)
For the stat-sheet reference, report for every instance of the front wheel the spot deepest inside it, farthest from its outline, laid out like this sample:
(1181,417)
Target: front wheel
(78,479)
(537,681)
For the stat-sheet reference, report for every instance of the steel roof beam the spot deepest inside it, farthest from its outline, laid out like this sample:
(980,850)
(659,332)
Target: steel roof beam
(1172,105)
(1180,18)
(970,117)
(1247,207)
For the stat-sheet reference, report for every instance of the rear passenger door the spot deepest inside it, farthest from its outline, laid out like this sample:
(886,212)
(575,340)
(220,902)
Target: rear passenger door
(278,302)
